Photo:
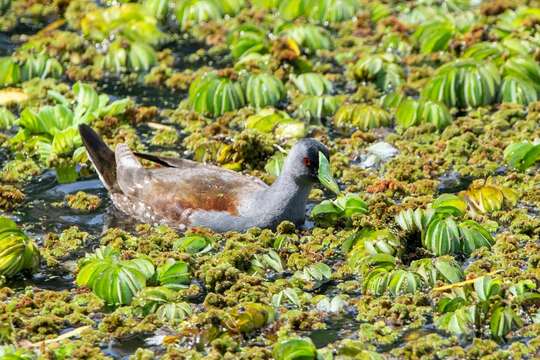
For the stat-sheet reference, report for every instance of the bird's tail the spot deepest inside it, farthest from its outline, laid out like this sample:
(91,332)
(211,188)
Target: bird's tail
(101,156)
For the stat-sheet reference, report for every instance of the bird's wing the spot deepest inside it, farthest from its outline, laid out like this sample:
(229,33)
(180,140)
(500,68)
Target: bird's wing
(174,193)
(189,164)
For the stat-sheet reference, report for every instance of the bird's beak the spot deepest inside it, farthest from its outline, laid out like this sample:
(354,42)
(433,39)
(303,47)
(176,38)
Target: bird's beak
(325,174)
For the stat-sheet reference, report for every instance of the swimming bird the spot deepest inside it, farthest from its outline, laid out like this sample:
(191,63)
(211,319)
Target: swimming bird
(183,193)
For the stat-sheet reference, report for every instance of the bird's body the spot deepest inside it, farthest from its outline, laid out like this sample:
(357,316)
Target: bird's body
(184,193)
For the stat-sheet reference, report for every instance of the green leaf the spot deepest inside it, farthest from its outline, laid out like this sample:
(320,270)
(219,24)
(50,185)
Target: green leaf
(442,236)
(294,349)
(192,244)
(174,274)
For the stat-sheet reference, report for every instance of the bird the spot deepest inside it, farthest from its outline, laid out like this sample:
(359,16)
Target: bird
(182,193)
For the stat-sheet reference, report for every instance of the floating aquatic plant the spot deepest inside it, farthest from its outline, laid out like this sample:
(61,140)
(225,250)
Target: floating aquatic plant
(472,311)
(249,317)
(412,112)
(271,120)
(7,119)
(193,12)
(173,274)
(317,107)
(489,198)
(294,349)
(309,37)
(53,129)
(332,11)
(362,116)
(213,95)
(413,221)
(17,251)
(383,70)
(193,244)
(464,83)
(263,90)
(247,39)
(10,72)
(522,155)
(435,35)
(114,280)
(313,84)
(344,207)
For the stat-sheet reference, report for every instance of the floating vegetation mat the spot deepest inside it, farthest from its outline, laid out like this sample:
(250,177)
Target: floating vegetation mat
(430,110)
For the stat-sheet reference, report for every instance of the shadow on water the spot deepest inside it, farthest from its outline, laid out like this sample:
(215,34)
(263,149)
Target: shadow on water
(122,348)
(338,327)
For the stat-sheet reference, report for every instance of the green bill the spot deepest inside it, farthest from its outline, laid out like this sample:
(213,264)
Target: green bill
(325,174)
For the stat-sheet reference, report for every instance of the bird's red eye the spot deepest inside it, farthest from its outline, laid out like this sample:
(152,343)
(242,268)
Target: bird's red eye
(307,161)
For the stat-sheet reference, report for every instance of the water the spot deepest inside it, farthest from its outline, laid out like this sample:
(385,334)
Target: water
(123,348)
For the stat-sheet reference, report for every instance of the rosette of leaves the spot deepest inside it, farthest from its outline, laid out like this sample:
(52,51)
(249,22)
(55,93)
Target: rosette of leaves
(193,12)
(362,116)
(173,274)
(214,95)
(318,273)
(174,313)
(317,107)
(522,155)
(270,260)
(193,244)
(248,317)
(10,352)
(464,83)
(379,11)
(449,204)
(263,90)
(489,198)
(247,39)
(312,84)
(380,69)
(150,299)
(446,236)
(289,9)
(279,122)
(10,71)
(332,11)
(7,119)
(474,312)
(521,81)
(435,35)
(414,221)
(415,112)
(53,130)
(343,207)
(41,66)
(129,21)
(158,8)
(162,301)
(114,280)
(17,251)
(366,242)
(295,349)
(442,236)
(444,268)
(135,32)
(308,37)
(517,19)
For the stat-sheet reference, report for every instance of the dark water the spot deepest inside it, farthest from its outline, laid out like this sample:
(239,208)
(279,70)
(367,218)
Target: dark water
(338,327)
(142,94)
(42,217)
(123,348)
